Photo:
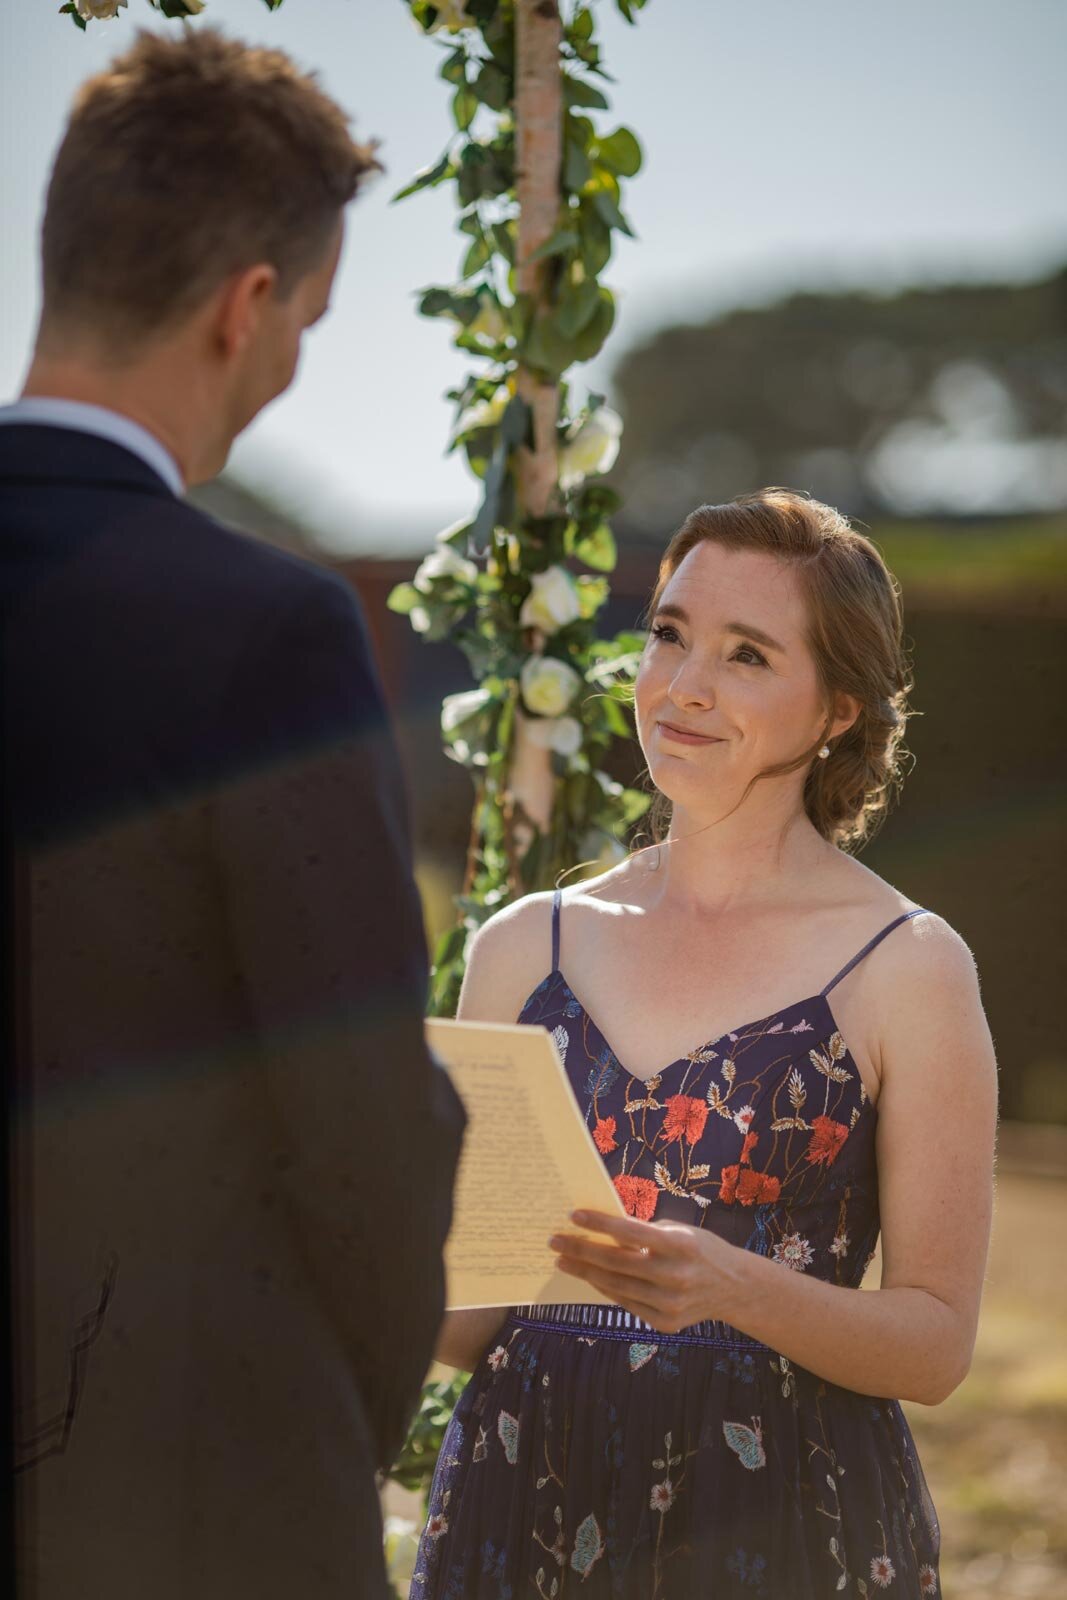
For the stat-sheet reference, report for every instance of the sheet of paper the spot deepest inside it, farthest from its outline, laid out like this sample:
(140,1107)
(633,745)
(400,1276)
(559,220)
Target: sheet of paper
(528,1161)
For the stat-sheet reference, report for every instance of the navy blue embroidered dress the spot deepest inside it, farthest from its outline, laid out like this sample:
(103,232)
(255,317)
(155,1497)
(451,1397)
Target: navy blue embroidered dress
(592,1455)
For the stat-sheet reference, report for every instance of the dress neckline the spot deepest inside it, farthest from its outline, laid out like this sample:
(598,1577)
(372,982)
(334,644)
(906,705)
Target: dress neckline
(866,1103)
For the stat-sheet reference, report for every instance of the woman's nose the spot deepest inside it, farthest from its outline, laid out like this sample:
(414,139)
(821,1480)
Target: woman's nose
(692,685)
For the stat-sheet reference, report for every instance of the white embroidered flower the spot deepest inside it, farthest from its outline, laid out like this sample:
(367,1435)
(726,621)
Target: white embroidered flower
(98,10)
(840,1244)
(498,1358)
(437,1525)
(548,685)
(793,1251)
(662,1497)
(443,562)
(882,1571)
(562,734)
(552,601)
(593,449)
(927,1579)
(743,1117)
(451,16)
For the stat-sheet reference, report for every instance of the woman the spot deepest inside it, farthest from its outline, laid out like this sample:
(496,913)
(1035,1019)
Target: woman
(731,1425)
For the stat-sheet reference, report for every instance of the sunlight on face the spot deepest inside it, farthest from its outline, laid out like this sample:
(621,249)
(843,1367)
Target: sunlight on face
(726,658)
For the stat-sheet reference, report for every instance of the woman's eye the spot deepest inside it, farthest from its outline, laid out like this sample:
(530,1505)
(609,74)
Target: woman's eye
(750,650)
(660,630)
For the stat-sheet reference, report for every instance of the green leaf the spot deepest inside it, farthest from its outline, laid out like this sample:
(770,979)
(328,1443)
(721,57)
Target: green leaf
(597,549)
(597,329)
(493,87)
(621,152)
(609,212)
(581,27)
(576,306)
(557,244)
(464,106)
(596,239)
(503,235)
(577,168)
(546,348)
(479,253)
(71,10)
(576,92)
(428,177)
(454,67)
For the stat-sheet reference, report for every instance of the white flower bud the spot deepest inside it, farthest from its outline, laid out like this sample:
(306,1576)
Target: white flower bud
(457,708)
(420,619)
(548,685)
(443,562)
(593,449)
(552,602)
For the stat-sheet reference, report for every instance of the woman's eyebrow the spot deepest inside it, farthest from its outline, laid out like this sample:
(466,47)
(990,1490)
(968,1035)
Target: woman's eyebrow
(746,628)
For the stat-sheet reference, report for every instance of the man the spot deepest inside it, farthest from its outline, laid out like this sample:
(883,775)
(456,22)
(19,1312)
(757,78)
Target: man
(232,1154)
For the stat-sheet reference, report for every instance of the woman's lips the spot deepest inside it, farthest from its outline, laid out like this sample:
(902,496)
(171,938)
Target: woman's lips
(685,738)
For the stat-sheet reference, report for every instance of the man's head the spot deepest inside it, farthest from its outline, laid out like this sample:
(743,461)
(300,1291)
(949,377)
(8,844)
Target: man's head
(193,225)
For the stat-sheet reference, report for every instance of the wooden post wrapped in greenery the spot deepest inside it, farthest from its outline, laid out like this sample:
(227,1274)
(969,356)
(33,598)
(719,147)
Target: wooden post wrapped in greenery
(539,193)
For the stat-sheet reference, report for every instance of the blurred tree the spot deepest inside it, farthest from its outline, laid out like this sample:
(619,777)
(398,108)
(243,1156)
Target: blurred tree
(950,400)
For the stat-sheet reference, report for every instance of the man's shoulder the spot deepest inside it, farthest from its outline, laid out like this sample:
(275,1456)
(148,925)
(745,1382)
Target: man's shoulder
(251,565)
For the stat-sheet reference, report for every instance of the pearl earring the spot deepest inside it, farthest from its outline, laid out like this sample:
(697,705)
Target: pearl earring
(825,751)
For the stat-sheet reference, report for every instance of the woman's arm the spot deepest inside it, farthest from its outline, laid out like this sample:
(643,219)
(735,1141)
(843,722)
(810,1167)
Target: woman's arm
(912,1338)
(498,976)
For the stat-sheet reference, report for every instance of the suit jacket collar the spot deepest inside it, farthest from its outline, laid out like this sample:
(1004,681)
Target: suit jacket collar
(35,453)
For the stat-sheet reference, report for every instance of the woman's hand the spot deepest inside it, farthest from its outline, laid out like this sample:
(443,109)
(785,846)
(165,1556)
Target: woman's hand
(669,1274)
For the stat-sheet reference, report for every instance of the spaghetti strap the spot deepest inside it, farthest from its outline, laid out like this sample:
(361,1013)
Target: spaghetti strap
(556,898)
(918,912)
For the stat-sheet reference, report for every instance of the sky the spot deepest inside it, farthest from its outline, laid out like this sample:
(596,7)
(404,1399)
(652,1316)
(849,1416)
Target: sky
(828,143)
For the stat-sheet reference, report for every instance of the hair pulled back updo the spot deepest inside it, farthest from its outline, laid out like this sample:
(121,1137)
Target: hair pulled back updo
(855,634)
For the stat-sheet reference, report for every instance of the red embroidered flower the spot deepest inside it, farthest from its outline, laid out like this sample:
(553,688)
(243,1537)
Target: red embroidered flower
(826,1140)
(604,1135)
(751,1140)
(742,1183)
(638,1195)
(685,1118)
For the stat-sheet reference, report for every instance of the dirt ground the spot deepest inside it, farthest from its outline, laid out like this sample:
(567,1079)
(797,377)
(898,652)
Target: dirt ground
(995,1452)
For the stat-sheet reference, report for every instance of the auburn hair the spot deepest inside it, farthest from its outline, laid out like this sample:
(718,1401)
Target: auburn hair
(191,157)
(856,638)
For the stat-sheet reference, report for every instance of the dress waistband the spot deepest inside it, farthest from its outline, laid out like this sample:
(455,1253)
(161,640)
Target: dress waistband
(615,1322)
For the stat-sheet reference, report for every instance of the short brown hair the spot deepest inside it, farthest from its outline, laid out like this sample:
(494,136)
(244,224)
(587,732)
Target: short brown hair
(855,634)
(189,158)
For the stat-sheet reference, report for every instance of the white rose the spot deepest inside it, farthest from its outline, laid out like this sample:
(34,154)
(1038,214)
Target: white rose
(593,449)
(552,602)
(98,10)
(457,708)
(548,685)
(562,734)
(444,562)
(451,16)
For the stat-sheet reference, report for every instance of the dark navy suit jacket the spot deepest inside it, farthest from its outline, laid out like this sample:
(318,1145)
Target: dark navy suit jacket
(232,1153)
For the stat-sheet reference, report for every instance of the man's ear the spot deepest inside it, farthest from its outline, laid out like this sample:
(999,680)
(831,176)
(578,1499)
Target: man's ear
(240,304)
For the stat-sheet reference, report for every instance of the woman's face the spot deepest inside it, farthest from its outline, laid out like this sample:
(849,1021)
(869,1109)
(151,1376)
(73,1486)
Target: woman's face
(726,658)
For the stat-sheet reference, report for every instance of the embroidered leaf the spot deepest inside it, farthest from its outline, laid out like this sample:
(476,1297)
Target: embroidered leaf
(563,1039)
(797,1091)
(701,1171)
(588,1545)
(507,1427)
(781,1124)
(641,1355)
